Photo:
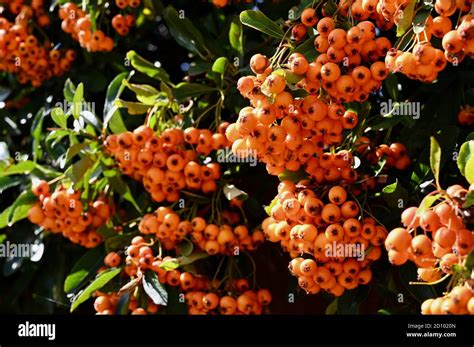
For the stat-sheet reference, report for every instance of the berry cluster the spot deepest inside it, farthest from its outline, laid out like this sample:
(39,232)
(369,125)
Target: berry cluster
(340,65)
(396,154)
(106,304)
(168,163)
(170,230)
(249,302)
(283,132)
(460,300)
(342,243)
(77,23)
(22,54)
(63,212)
(443,241)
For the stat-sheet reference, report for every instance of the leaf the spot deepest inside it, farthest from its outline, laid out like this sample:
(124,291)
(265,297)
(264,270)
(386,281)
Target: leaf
(101,280)
(185,33)
(133,108)
(268,209)
(469,200)
(114,90)
(393,193)
(84,269)
(75,149)
(220,65)
(122,188)
(258,21)
(186,90)
(18,210)
(294,176)
(435,158)
(118,241)
(115,121)
(469,171)
(170,265)
(77,100)
(24,168)
(465,153)
(154,289)
(80,167)
(192,258)
(332,307)
(236,36)
(144,66)
(427,202)
(469,264)
(144,92)
(69,90)
(185,248)
(9,182)
(123,303)
(391,85)
(407,17)
(36,134)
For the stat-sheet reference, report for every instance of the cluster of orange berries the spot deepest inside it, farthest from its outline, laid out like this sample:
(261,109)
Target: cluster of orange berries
(466,115)
(425,61)
(27,11)
(339,68)
(170,229)
(443,242)
(122,24)
(77,23)
(106,304)
(250,302)
(338,244)
(283,132)
(167,164)
(23,55)
(62,212)
(123,4)
(396,154)
(460,300)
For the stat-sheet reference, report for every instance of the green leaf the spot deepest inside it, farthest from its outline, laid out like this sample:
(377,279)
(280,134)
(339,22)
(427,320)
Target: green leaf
(407,17)
(24,168)
(144,92)
(469,200)
(170,265)
(75,149)
(391,84)
(427,202)
(236,36)
(9,182)
(111,113)
(77,100)
(69,90)
(123,303)
(101,280)
(115,120)
(470,261)
(257,20)
(220,65)
(185,248)
(192,258)
(466,152)
(307,49)
(268,209)
(117,242)
(133,108)
(37,134)
(469,170)
(18,210)
(332,307)
(435,158)
(393,193)
(122,188)
(80,167)
(146,67)
(185,33)
(84,269)
(154,289)
(185,90)
(294,176)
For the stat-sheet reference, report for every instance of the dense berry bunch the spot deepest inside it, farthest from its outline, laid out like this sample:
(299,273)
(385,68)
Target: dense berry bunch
(168,163)
(460,300)
(170,229)
(282,131)
(63,212)
(22,54)
(435,239)
(249,302)
(395,155)
(327,229)
(347,66)
(77,23)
